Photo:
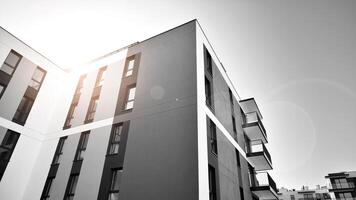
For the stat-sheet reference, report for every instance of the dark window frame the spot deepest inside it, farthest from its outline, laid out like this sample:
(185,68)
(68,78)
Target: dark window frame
(208,62)
(39,83)
(100,77)
(73,105)
(82,145)
(9,65)
(93,105)
(212,183)
(73,181)
(114,177)
(3,89)
(112,142)
(213,137)
(59,150)
(128,72)
(242,195)
(127,96)
(208,93)
(47,188)
(22,112)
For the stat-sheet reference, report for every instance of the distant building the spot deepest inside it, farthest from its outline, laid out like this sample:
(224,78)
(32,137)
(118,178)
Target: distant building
(319,193)
(342,185)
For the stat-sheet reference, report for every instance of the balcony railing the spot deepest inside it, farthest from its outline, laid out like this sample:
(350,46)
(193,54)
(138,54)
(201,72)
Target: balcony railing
(253,117)
(263,185)
(259,156)
(253,127)
(347,185)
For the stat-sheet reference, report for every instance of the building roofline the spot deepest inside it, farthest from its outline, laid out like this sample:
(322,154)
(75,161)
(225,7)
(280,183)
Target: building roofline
(233,87)
(49,60)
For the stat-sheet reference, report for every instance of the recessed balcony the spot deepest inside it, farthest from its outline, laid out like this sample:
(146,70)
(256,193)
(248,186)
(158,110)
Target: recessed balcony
(263,186)
(253,127)
(259,156)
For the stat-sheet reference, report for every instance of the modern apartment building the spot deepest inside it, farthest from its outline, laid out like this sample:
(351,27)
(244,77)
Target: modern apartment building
(158,119)
(342,185)
(319,193)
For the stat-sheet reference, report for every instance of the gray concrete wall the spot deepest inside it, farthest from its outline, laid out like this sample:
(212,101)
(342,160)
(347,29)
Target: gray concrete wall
(161,153)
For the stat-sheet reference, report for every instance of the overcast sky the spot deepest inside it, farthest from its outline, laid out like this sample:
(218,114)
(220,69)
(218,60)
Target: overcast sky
(297,58)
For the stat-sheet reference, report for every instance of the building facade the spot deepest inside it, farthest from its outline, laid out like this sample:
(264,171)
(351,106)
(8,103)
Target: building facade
(158,119)
(342,185)
(319,193)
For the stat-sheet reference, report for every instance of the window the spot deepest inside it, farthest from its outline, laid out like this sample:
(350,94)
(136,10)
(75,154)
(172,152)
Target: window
(242,196)
(80,84)
(345,196)
(70,115)
(209,66)
(115,184)
(317,195)
(208,95)
(6,148)
(130,67)
(341,183)
(212,183)
(326,195)
(75,100)
(37,78)
(100,77)
(234,125)
(130,97)
(92,108)
(2,89)
(11,62)
(8,144)
(213,141)
(47,189)
(308,196)
(59,150)
(292,197)
(82,145)
(238,158)
(115,138)
(73,180)
(23,110)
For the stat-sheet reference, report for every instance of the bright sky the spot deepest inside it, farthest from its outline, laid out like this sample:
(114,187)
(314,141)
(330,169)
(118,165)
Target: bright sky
(297,58)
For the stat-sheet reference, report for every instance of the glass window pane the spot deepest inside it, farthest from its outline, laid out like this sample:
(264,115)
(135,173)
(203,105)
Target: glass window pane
(12,59)
(129,72)
(129,105)
(34,84)
(114,148)
(85,140)
(131,65)
(7,69)
(114,196)
(1,88)
(73,185)
(38,75)
(132,93)
(116,179)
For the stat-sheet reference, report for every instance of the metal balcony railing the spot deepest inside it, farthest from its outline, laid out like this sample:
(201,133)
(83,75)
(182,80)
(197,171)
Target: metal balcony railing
(346,185)
(253,117)
(262,179)
(258,146)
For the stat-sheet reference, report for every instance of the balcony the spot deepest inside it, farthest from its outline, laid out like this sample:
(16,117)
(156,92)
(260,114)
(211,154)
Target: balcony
(252,123)
(263,186)
(259,156)
(342,187)
(253,127)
